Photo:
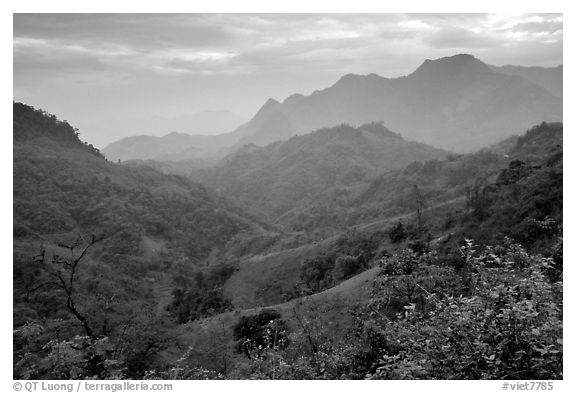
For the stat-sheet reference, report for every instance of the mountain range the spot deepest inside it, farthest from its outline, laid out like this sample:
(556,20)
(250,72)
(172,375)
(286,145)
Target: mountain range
(458,103)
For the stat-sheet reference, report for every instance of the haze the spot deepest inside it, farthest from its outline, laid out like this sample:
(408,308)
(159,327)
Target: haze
(114,76)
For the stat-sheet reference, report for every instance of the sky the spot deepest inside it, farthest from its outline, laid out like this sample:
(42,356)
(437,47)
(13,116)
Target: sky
(118,75)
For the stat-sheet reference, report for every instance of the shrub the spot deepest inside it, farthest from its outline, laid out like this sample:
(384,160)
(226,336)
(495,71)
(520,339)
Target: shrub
(257,333)
(346,266)
(509,325)
(397,234)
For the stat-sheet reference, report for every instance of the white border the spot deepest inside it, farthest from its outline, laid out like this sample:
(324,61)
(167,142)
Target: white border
(552,6)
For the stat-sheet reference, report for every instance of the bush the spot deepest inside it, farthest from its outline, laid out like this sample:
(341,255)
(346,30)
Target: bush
(346,266)
(509,325)
(257,333)
(397,234)
(317,272)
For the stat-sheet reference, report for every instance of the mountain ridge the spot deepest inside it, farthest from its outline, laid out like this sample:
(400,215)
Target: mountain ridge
(276,176)
(457,103)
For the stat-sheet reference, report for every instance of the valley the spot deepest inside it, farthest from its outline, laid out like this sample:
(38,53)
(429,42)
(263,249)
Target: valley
(324,232)
(364,216)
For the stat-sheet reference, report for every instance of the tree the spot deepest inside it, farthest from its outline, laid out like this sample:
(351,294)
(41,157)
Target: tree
(419,206)
(397,234)
(61,272)
(346,266)
(478,199)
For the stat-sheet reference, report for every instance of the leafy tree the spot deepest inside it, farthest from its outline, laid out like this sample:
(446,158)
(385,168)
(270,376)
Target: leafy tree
(346,266)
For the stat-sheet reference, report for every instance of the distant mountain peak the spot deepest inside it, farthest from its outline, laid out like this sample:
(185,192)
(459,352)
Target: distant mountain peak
(293,99)
(271,103)
(175,135)
(461,58)
(271,106)
(378,127)
(349,79)
(452,65)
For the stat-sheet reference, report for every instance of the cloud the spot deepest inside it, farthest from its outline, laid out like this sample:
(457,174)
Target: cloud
(460,38)
(549,27)
(212,44)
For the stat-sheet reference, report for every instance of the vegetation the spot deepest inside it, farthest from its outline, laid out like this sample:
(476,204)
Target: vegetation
(352,253)
(499,317)
(96,310)
(275,179)
(446,269)
(259,333)
(201,298)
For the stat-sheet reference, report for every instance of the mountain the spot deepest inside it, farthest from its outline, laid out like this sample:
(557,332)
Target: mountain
(267,126)
(166,148)
(270,124)
(274,178)
(548,78)
(190,135)
(442,185)
(457,103)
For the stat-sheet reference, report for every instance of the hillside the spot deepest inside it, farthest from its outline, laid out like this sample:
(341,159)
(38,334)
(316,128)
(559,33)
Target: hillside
(273,179)
(186,286)
(98,246)
(529,172)
(81,191)
(354,321)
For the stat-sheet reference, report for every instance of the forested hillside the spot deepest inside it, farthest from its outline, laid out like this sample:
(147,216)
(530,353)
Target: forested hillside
(131,231)
(473,293)
(274,179)
(387,259)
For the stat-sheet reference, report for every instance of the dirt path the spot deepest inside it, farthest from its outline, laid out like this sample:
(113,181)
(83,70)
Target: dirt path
(378,223)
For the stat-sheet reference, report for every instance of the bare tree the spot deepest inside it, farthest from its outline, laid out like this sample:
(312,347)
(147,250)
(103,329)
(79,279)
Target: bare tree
(62,272)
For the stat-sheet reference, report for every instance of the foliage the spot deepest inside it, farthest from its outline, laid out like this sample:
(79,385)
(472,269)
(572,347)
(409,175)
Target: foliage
(279,178)
(499,317)
(397,233)
(508,324)
(90,329)
(203,297)
(437,310)
(316,273)
(352,253)
(525,202)
(346,266)
(258,333)
(31,123)
(197,303)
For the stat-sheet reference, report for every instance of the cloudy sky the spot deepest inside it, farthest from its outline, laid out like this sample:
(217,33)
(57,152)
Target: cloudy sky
(116,75)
